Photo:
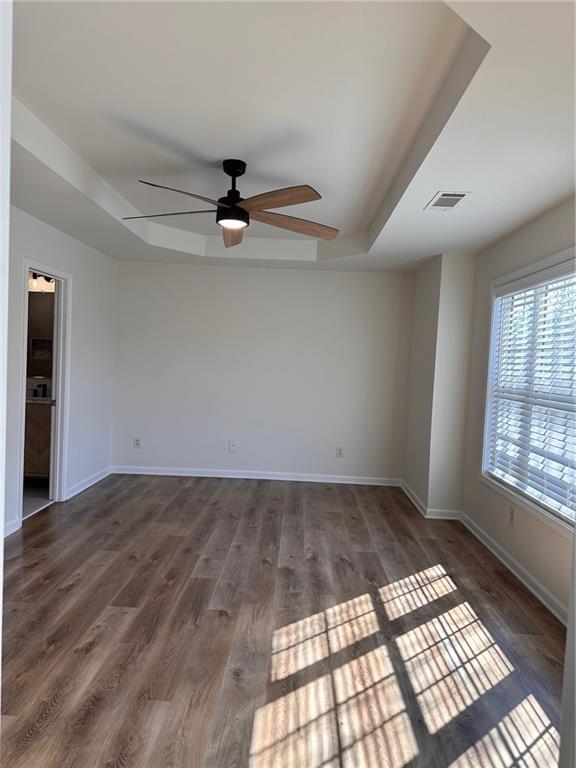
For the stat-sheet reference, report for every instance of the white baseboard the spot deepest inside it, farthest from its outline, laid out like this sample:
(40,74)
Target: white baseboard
(74,490)
(243,474)
(444,514)
(428,512)
(414,498)
(539,590)
(12,527)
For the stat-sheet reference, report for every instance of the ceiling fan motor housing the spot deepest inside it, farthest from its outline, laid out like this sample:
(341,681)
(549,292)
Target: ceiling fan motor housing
(233,212)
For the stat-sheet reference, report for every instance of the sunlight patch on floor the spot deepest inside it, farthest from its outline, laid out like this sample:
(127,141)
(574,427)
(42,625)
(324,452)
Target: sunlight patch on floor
(525,737)
(350,621)
(375,729)
(411,593)
(452,660)
(306,642)
(297,730)
(353,714)
(354,717)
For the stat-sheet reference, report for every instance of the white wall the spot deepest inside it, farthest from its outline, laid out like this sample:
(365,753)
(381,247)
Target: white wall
(91,350)
(539,547)
(424,329)
(437,384)
(289,364)
(5,106)
(448,429)
(568,713)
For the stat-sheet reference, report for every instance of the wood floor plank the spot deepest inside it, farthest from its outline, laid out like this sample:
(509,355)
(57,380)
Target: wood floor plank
(51,649)
(184,742)
(246,673)
(61,691)
(177,622)
(229,587)
(223,507)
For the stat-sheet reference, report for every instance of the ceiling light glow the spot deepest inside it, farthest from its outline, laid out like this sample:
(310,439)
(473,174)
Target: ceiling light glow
(232,223)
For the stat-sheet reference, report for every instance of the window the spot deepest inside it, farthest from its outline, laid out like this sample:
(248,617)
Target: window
(530,433)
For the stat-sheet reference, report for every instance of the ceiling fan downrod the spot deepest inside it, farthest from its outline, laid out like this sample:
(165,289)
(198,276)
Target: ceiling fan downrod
(229,215)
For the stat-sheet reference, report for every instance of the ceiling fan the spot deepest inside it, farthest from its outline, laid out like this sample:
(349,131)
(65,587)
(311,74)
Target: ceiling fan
(233,213)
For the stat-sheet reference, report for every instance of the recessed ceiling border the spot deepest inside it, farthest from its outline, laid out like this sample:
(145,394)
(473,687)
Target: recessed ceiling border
(44,145)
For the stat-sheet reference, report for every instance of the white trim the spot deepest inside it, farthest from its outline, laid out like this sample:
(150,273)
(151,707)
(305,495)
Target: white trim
(567,757)
(414,498)
(534,274)
(539,272)
(443,514)
(38,509)
(245,474)
(537,589)
(530,582)
(12,527)
(62,373)
(35,138)
(63,329)
(551,519)
(6,17)
(428,512)
(487,383)
(74,490)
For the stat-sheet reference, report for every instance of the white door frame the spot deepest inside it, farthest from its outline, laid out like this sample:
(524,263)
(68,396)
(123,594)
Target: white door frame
(60,382)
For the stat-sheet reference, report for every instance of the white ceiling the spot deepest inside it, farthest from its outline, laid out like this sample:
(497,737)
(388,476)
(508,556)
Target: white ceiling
(166,91)
(330,94)
(510,141)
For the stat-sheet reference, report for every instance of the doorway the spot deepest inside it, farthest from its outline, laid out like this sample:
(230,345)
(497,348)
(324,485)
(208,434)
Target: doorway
(43,297)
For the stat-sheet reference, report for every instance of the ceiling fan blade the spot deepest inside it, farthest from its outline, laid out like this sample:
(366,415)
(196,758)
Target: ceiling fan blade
(182,192)
(232,236)
(158,215)
(303,226)
(278,198)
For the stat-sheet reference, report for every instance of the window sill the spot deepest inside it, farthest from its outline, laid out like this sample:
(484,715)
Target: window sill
(564,528)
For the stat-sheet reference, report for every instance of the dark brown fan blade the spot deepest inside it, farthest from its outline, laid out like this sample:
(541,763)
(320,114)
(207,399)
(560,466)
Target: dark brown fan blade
(182,192)
(278,198)
(232,236)
(158,215)
(303,226)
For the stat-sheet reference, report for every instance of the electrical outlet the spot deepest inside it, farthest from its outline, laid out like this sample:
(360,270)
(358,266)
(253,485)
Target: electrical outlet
(136,443)
(231,446)
(511,515)
(340,452)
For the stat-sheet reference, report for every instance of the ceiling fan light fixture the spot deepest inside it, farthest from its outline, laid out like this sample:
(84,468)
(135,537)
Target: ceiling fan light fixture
(232,224)
(232,218)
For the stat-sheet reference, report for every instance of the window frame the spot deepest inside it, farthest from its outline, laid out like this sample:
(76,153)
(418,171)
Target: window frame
(540,272)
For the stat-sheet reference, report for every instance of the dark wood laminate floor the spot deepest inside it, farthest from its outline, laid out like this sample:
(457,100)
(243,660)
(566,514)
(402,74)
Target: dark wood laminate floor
(157,622)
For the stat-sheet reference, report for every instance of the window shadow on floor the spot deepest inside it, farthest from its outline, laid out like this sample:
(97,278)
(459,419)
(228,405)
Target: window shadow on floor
(352,687)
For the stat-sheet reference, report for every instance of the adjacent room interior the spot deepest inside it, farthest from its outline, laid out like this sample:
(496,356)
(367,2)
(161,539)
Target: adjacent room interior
(290,384)
(37,492)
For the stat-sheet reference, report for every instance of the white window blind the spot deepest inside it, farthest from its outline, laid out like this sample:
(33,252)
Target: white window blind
(530,437)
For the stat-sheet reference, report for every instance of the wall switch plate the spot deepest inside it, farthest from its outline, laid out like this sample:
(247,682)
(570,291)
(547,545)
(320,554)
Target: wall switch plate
(340,452)
(136,443)
(231,446)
